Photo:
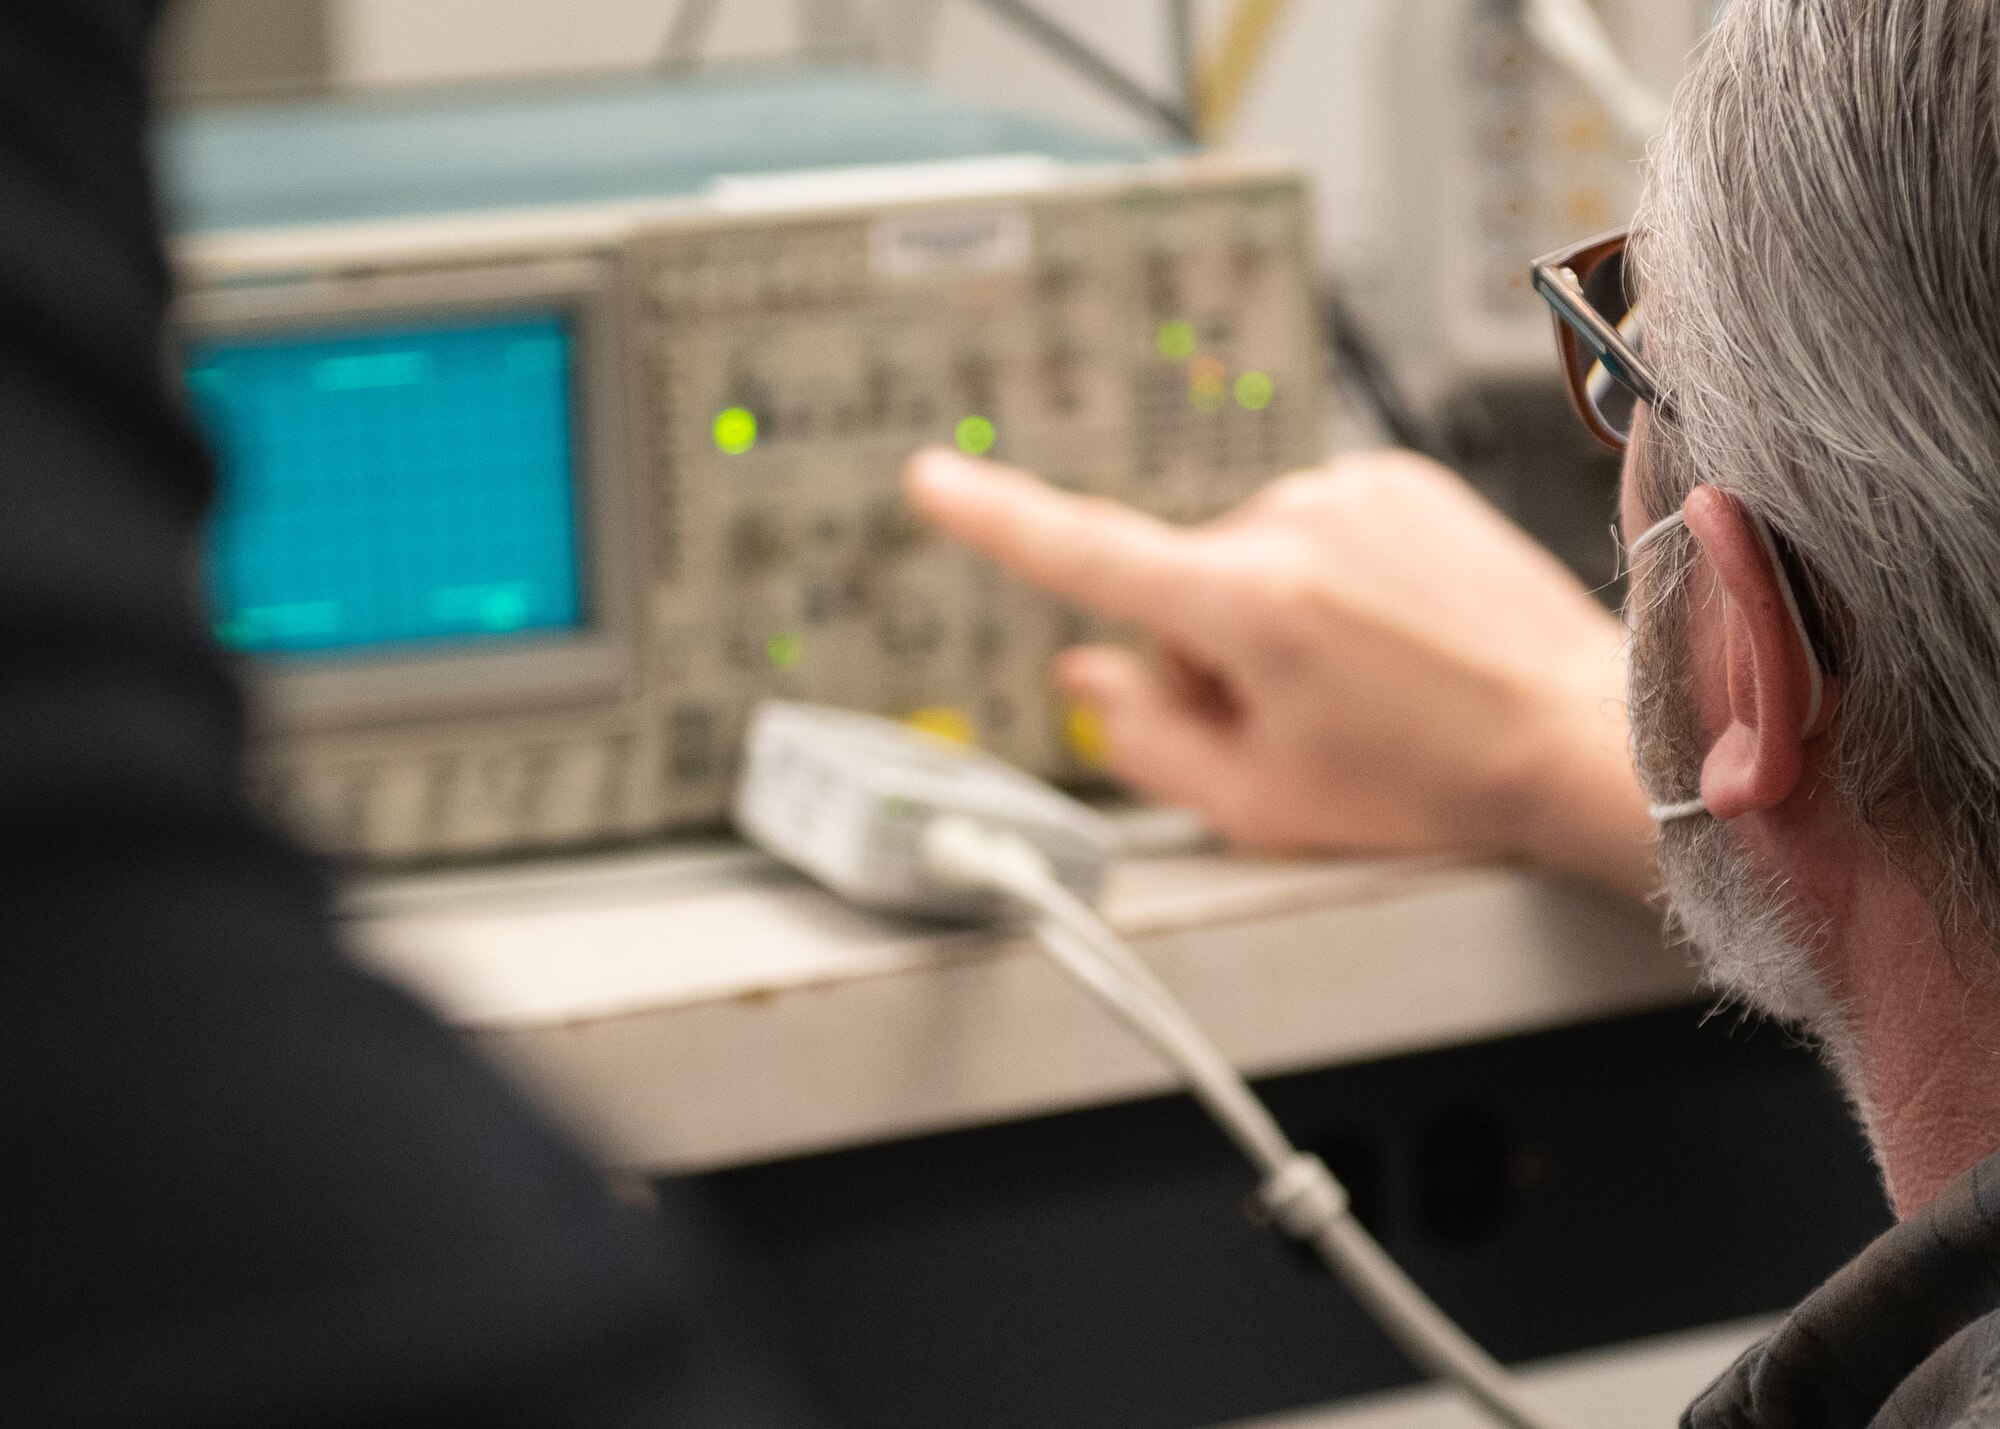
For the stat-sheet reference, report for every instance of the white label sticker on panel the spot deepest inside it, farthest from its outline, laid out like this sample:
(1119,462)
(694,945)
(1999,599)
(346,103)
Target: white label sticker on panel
(988,239)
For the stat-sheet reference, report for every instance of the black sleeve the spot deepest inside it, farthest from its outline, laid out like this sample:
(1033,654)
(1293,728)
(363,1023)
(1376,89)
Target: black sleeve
(241,1183)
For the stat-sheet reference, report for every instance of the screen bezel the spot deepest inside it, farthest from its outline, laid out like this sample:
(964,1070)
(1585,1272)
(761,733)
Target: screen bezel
(376,685)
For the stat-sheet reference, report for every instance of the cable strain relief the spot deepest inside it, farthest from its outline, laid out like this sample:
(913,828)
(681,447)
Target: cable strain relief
(962,852)
(1302,1198)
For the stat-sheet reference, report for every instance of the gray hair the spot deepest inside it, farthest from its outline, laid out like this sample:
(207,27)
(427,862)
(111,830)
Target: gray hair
(1819,251)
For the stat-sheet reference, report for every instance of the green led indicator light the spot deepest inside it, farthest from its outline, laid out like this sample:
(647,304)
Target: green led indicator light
(735,430)
(976,435)
(785,650)
(1254,391)
(1176,340)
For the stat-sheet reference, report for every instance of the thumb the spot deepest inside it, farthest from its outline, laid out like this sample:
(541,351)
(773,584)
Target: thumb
(1158,740)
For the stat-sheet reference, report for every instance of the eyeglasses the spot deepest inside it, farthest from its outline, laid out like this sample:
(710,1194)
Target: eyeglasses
(1602,342)
(1600,335)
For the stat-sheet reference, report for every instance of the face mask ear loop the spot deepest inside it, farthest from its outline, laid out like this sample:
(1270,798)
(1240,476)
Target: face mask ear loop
(1687,809)
(1653,533)
(1815,677)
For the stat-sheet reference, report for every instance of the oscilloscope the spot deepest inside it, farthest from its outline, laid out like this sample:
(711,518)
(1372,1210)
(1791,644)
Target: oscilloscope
(524,506)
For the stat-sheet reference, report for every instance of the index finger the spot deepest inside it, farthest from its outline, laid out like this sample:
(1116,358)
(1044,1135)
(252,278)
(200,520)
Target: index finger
(1109,558)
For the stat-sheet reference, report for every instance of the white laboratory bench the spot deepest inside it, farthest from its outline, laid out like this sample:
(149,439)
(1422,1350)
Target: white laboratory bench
(697,1007)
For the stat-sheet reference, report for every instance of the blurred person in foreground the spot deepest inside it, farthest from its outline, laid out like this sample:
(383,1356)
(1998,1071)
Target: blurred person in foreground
(242,1183)
(1804,366)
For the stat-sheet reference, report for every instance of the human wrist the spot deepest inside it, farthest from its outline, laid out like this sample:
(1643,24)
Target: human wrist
(1571,800)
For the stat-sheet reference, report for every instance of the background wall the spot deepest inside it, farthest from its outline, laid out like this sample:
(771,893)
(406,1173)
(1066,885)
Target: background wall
(397,41)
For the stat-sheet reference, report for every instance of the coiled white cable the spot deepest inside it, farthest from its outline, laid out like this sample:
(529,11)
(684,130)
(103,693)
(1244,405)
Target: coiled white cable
(1296,1189)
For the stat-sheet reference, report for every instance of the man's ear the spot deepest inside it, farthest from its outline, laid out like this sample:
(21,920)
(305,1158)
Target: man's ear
(1755,650)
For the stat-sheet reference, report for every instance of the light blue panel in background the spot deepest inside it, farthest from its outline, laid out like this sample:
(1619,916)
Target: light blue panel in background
(459,149)
(391,486)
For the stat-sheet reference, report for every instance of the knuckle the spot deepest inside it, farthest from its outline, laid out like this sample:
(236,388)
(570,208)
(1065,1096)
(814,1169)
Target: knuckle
(1298,488)
(1101,509)
(1110,515)
(1382,478)
(1369,485)
(1287,590)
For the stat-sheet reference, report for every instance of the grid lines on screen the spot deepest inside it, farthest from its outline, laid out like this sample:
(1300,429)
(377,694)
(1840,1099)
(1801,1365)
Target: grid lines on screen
(391,485)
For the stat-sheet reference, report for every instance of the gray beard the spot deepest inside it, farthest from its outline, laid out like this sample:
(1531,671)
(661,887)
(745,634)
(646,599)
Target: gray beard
(1741,929)
(1748,938)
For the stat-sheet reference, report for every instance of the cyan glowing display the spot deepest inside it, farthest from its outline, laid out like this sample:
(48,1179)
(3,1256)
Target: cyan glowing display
(391,486)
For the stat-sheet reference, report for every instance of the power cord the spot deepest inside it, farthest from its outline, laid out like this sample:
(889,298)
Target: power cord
(1295,1189)
(1572,35)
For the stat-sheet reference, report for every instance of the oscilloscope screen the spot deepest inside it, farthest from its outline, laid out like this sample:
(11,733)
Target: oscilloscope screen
(408,485)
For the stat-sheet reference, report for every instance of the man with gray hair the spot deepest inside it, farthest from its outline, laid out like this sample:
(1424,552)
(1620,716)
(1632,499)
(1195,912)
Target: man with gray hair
(1802,361)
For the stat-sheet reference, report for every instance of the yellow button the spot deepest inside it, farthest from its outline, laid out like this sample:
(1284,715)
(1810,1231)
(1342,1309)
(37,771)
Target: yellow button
(1084,728)
(1584,129)
(1587,208)
(945,722)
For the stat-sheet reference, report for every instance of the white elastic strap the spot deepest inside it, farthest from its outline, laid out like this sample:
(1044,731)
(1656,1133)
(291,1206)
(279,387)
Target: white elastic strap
(1653,533)
(1687,808)
(1815,676)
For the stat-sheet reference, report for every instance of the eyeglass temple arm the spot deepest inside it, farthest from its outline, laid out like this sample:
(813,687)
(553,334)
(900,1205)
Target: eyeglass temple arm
(1560,288)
